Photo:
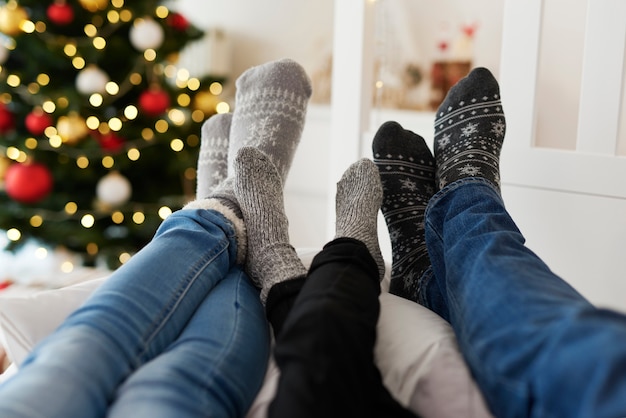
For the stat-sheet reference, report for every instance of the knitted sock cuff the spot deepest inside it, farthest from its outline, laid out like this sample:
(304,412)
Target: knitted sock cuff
(237,222)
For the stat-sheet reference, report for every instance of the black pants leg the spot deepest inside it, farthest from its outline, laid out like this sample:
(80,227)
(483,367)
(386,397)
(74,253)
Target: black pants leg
(325,346)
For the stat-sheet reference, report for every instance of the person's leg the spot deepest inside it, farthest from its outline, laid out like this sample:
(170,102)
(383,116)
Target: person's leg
(534,344)
(325,339)
(407,172)
(214,368)
(139,311)
(325,351)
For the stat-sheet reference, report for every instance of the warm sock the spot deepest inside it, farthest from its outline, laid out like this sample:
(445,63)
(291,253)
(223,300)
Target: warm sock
(213,156)
(359,197)
(469,130)
(270,108)
(407,172)
(259,190)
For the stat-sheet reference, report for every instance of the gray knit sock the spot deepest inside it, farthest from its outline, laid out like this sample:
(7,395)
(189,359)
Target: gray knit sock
(259,190)
(358,200)
(213,156)
(407,172)
(469,130)
(270,108)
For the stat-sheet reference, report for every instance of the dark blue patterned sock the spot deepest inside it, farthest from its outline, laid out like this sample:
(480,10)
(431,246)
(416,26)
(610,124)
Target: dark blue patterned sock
(407,172)
(469,130)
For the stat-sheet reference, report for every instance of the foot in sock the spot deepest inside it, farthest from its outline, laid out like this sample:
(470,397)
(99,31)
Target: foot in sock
(213,156)
(469,130)
(270,107)
(259,189)
(359,197)
(407,171)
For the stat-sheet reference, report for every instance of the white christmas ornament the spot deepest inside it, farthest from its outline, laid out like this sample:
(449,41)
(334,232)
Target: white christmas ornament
(91,80)
(113,189)
(146,34)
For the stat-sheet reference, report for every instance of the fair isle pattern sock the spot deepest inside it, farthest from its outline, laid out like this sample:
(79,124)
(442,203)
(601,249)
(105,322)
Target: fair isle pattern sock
(270,108)
(469,130)
(213,156)
(358,199)
(259,190)
(407,173)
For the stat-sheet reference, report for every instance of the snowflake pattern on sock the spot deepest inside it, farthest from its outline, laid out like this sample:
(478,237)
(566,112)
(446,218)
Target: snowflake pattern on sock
(469,130)
(407,172)
(271,104)
(213,156)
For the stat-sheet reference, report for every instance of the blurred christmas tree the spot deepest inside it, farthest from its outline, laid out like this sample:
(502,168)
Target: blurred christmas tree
(99,129)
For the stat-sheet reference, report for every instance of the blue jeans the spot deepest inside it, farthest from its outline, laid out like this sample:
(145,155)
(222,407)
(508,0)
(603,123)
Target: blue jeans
(178,331)
(536,347)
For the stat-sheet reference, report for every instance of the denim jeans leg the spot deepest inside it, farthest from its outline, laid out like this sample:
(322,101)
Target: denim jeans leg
(214,368)
(130,319)
(535,346)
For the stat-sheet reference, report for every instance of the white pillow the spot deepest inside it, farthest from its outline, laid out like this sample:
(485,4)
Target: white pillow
(416,350)
(26,320)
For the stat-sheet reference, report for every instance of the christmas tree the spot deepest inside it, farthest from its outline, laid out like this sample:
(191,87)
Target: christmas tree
(99,127)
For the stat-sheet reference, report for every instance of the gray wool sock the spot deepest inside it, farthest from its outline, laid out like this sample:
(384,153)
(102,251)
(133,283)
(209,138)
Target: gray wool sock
(358,200)
(407,173)
(259,190)
(213,156)
(469,130)
(270,108)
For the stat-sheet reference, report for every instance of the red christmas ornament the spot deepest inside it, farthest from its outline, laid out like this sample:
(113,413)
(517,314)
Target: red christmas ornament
(154,102)
(60,13)
(178,22)
(111,142)
(7,119)
(37,121)
(28,182)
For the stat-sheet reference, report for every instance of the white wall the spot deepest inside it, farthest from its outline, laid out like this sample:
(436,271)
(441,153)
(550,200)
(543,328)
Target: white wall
(262,31)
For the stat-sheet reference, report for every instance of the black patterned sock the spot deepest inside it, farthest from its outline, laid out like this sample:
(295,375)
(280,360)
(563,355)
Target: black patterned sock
(407,172)
(469,130)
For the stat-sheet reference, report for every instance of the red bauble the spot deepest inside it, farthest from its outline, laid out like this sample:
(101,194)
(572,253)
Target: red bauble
(111,142)
(7,119)
(60,13)
(37,121)
(154,102)
(28,182)
(178,22)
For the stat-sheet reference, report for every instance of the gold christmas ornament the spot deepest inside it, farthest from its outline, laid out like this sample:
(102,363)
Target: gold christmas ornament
(205,102)
(94,5)
(11,17)
(72,128)
(4,164)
